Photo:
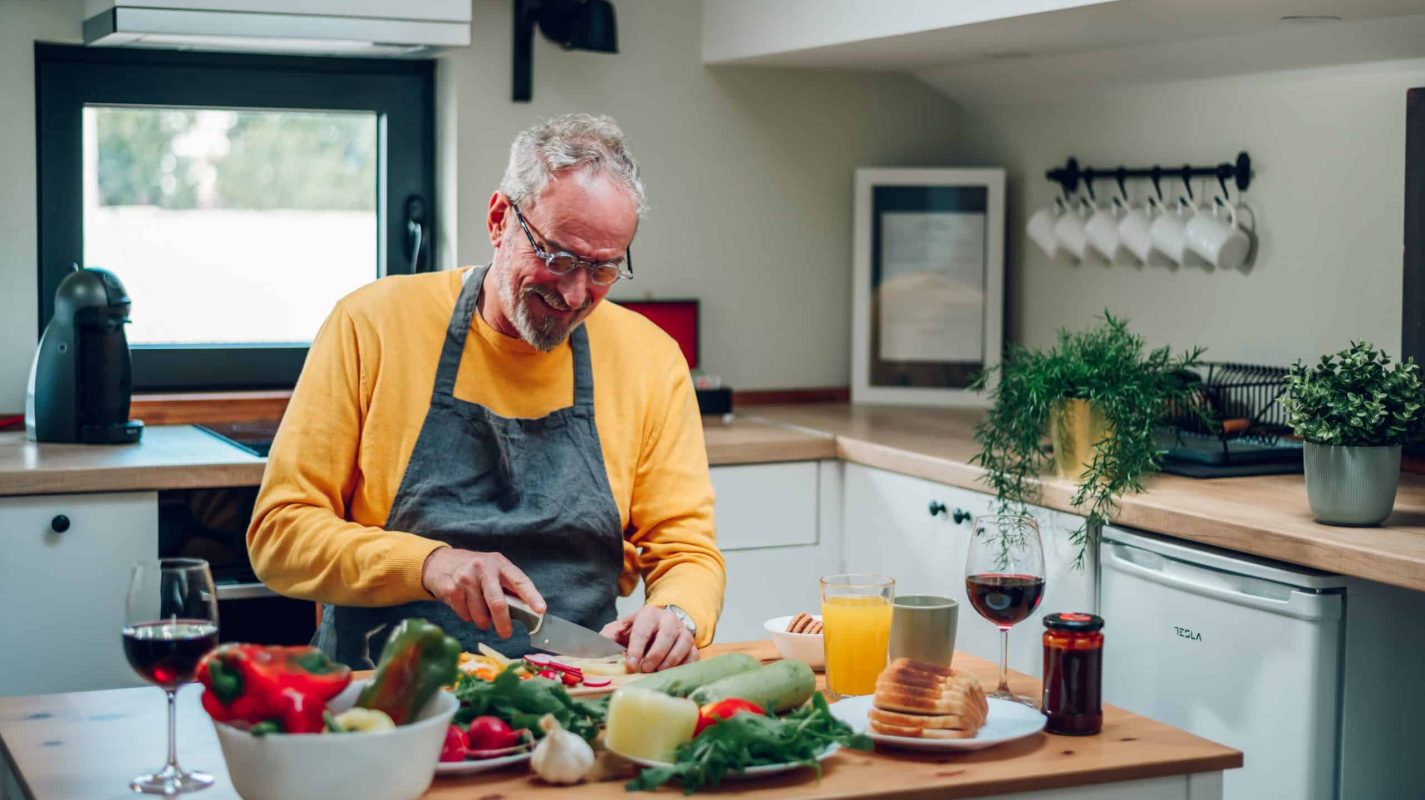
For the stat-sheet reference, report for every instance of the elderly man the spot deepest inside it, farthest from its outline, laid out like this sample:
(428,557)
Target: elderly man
(458,436)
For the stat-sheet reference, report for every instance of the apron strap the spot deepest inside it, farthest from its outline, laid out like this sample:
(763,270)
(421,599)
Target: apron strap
(460,319)
(464,314)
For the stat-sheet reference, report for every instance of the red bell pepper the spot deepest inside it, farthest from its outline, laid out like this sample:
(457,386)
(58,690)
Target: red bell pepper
(715,712)
(277,688)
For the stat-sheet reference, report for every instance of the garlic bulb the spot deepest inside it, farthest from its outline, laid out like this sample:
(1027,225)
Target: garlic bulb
(561,756)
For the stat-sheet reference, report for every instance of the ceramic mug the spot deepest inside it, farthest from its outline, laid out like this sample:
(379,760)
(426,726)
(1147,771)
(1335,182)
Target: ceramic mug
(923,628)
(1133,229)
(1218,237)
(1040,229)
(1069,230)
(1105,245)
(1169,231)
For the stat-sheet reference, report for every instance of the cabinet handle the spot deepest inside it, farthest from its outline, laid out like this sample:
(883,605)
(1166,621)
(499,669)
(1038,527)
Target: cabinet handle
(936,508)
(59,524)
(962,516)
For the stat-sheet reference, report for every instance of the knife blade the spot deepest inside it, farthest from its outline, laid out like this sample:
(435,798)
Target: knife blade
(562,637)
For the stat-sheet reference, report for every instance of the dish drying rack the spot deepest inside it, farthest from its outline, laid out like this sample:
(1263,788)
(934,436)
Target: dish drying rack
(1235,425)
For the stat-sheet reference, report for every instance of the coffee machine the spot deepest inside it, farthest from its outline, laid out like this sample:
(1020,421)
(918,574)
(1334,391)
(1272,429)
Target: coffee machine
(81,380)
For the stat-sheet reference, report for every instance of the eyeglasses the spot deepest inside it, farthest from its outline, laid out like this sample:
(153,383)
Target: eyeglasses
(604,273)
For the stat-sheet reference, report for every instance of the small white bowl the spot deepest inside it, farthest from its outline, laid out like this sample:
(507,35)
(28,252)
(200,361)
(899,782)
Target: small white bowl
(806,647)
(390,765)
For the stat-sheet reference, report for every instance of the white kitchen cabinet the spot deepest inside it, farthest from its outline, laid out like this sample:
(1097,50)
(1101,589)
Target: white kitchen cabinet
(778,527)
(889,529)
(64,572)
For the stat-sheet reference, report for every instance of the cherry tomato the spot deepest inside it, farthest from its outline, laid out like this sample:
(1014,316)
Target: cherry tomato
(490,733)
(549,673)
(570,679)
(454,748)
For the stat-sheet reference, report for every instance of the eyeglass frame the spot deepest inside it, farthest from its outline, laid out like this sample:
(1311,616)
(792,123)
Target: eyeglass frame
(624,270)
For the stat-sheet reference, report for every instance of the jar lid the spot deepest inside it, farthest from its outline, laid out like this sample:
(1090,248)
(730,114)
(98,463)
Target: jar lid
(1073,621)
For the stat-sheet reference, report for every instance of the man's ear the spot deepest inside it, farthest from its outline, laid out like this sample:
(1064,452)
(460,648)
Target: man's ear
(498,217)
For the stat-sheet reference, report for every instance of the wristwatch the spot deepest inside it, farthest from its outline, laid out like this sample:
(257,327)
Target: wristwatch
(683,618)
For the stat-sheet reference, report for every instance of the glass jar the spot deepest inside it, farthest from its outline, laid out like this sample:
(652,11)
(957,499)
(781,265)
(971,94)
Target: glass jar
(1073,673)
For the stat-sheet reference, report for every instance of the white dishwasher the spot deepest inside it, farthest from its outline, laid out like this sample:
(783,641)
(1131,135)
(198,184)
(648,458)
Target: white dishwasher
(1242,651)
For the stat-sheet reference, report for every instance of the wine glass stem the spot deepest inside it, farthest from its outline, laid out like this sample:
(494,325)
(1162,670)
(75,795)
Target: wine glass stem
(1003,661)
(173,731)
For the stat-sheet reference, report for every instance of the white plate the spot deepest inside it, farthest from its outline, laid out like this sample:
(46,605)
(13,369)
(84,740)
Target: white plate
(750,772)
(1006,722)
(479,765)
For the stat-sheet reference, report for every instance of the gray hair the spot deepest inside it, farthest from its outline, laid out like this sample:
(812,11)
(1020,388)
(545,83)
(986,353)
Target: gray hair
(572,141)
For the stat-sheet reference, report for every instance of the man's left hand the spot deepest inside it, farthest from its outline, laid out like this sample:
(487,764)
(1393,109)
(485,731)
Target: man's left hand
(655,639)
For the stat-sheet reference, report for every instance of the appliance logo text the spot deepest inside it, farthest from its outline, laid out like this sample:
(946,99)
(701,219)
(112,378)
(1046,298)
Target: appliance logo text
(1188,634)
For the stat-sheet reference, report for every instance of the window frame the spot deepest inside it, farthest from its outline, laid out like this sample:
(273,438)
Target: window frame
(67,78)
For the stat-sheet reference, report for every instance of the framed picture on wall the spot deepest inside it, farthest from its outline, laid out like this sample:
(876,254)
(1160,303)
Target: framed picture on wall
(928,293)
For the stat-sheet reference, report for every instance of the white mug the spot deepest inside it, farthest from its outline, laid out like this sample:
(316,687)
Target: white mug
(1223,243)
(1069,230)
(1133,231)
(1040,229)
(1105,245)
(1169,231)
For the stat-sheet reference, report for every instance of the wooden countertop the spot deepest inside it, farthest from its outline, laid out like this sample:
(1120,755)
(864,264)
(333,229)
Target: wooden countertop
(87,745)
(181,456)
(1265,516)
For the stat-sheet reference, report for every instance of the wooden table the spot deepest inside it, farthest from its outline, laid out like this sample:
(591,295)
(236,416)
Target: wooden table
(87,745)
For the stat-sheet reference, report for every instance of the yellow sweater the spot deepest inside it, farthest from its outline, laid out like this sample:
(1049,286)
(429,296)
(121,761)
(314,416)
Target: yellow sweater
(358,407)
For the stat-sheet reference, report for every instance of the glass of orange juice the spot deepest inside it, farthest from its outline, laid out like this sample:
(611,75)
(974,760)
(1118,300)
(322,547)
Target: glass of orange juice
(856,624)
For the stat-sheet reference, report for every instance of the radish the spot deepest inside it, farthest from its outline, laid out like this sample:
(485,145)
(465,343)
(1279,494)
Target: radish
(597,683)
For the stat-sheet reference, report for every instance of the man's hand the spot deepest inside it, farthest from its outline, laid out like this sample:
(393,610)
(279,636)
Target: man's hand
(655,639)
(473,585)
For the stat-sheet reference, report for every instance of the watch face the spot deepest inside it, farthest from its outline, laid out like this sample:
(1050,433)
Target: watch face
(683,618)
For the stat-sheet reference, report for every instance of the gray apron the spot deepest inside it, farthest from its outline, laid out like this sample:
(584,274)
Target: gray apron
(534,490)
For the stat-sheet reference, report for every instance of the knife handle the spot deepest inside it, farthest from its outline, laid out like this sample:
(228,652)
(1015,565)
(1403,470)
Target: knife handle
(525,614)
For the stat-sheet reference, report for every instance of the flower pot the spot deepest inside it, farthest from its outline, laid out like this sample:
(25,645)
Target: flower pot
(1351,485)
(1075,425)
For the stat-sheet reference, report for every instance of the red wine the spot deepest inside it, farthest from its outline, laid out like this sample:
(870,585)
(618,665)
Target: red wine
(1004,599)
(167,653)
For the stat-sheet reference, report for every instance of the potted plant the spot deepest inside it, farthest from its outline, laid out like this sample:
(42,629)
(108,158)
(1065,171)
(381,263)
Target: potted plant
(1354,410)
(1097,395)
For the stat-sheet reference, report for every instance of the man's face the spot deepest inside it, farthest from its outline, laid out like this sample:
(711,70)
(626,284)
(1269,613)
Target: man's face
(590,216)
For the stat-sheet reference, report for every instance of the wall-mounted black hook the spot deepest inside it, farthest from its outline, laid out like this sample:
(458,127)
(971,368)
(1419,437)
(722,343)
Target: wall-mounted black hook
(1157,175)
(1224,171)
(1187,182)
(1121,175)
(1069,175)
(1089,176)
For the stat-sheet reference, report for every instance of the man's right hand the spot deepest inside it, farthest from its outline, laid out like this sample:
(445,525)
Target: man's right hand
(473,585)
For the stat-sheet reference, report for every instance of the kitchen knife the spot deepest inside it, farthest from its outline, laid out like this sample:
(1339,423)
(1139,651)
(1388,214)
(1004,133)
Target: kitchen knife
(560,636)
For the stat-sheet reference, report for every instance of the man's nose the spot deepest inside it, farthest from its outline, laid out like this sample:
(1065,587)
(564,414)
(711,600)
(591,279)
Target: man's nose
(574,288)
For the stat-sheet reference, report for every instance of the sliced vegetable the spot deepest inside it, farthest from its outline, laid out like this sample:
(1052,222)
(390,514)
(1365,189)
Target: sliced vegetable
(454,747)
(495,655)
(417,660)
(779,686)
(490,733)
(248,684)
(596,682)
(681,681)
(363,720)
(715,712)
(522,702)
(649,724)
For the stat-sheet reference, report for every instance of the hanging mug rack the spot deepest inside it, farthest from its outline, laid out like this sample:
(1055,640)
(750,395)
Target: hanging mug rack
(1071,174)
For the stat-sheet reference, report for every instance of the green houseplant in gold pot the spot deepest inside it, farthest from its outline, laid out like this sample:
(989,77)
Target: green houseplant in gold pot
(1354,410)
(1087,407)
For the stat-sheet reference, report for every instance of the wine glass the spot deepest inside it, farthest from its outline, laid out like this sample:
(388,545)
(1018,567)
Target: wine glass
(1004,577)
(170,623)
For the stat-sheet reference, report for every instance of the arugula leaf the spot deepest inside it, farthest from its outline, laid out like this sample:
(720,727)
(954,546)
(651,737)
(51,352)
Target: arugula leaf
(750,740)
(522,702)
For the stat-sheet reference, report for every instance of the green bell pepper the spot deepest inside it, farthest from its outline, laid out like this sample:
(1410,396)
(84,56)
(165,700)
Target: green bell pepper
(417,660)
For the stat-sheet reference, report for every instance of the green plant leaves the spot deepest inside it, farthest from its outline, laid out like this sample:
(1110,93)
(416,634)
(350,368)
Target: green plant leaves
(1107,366)
(1356,397)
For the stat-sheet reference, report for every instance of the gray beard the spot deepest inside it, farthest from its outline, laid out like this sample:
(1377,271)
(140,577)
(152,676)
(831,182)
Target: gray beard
(544,333)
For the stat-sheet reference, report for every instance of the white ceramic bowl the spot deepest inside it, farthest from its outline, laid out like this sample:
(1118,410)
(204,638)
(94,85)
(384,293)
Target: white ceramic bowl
(806,647)
(392,765)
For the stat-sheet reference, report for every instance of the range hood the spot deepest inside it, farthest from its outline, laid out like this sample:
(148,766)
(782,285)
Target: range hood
(330,27)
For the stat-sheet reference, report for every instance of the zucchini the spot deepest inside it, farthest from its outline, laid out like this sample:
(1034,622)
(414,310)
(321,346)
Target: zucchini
(681,681)
(780,686)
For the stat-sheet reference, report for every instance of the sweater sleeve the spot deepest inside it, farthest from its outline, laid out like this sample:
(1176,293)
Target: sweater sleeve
(300,540)
(671,515)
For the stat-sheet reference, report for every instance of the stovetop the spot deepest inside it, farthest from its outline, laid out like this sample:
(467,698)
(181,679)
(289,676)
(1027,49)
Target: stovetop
(253,436)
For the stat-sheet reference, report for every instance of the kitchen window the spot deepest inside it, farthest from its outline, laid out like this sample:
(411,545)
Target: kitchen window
(238,197)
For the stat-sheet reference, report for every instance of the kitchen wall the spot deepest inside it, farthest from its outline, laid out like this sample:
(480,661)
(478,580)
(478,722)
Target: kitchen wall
(1328,150)
(748,174)
(24,22)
